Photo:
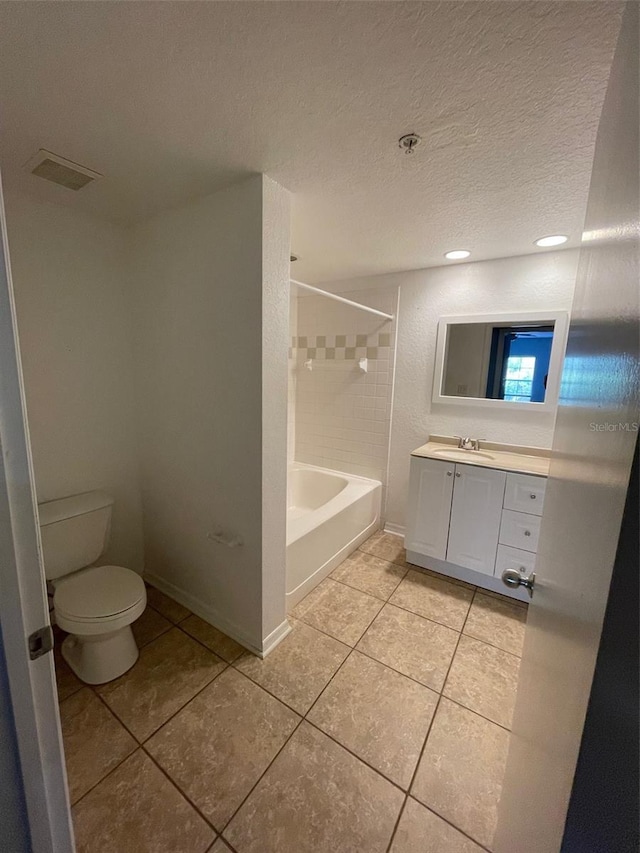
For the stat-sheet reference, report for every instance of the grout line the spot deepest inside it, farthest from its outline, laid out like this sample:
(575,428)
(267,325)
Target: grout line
(304,717)
(259,779)
(162,725)
(424,744)
(182,707)
(406,609)
(493,646)
(106,776)
(181,792)
(448,821)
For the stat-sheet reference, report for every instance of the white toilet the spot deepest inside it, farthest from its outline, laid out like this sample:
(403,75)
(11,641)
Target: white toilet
(96,605)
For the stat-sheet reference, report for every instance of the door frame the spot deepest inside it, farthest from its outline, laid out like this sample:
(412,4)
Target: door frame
(23,599)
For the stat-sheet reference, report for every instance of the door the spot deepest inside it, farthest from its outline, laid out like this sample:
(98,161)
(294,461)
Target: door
(430,490)
(475,517)
(595,434)
(23,603)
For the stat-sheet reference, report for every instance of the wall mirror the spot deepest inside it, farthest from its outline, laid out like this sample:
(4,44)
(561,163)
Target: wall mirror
(500,360)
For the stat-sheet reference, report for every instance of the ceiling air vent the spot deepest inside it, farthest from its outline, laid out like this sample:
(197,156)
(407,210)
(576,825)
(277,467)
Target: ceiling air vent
(68,174)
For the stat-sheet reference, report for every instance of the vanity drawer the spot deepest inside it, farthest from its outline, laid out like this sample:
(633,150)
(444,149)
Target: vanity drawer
(514,558)
(519,530)
(524,493)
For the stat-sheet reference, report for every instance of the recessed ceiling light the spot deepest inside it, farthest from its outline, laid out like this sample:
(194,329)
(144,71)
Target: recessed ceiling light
(457,255)
(554,240)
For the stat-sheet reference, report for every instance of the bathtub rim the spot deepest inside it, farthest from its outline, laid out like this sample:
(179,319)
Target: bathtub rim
(356,487)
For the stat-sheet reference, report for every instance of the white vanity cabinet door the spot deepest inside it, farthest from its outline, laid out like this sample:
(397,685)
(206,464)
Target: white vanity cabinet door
(475,517)
(430,490)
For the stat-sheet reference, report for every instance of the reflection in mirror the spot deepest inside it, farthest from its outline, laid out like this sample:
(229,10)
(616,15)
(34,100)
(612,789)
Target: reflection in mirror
(498,361)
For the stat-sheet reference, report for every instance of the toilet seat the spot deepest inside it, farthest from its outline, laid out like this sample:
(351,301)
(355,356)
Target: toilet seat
(97,597)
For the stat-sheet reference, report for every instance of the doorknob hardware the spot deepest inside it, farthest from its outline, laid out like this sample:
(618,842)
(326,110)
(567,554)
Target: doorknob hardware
(527,533)
(513,578)
(533,497)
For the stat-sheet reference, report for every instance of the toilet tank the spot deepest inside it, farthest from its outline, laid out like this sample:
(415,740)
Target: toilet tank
(75,532)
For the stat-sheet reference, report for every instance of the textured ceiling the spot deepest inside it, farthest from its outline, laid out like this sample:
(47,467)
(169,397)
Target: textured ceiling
(172,100)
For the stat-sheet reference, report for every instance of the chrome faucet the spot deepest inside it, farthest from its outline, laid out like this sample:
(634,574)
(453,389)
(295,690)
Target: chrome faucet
(468,443)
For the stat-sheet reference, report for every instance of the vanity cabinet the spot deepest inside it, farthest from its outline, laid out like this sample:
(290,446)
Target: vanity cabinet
(473,522)
(454,512)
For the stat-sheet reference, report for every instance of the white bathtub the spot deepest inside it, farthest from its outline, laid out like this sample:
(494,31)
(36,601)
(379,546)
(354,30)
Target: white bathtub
(329,514)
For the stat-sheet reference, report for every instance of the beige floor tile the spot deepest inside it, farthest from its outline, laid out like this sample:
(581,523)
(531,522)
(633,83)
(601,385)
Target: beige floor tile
(316,798)
(387,547)
(370,574)
(299,668)
(461,770)
(94,741)
(434,598)
(218,746)
(497,621)
(166,606)
(422,831)
(220,847)
(484,679)
(169,672)
(67,681)
(338,610)
(136,808)
(149,626)
(410,644)
(212,638)
(377,713)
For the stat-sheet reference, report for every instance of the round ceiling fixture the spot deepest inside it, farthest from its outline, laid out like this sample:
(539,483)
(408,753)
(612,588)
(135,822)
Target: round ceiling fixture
(553,240)
(409,142)
(457,255)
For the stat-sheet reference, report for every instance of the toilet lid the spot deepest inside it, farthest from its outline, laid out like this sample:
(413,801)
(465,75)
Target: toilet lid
(99,593)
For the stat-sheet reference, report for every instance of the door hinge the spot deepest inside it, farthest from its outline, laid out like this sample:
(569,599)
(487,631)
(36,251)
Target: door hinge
(40,642)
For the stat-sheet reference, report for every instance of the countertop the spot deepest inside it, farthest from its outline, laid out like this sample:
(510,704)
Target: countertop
(504,457)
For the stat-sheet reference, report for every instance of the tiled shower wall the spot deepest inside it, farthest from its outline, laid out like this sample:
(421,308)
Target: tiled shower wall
(343,414)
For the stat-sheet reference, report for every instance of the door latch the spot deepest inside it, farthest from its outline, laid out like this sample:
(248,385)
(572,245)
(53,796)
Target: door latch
(40,642)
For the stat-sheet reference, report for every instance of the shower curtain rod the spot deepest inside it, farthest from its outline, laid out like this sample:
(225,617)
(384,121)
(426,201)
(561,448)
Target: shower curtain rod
(341,299)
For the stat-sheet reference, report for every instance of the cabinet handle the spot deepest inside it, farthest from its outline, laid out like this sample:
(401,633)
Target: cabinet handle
(457,473)
(449,473)
(533,497)
(527,533)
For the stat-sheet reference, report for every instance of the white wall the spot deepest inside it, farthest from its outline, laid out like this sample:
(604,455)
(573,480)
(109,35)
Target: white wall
(212,388)
(342,414)
(527,283)
(292,379)
(275,303)
(74,321)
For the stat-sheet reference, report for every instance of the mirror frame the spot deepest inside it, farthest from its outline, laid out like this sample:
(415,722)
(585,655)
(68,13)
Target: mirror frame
(560,319)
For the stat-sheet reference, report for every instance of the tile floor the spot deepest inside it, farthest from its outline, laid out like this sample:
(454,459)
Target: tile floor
(379,725)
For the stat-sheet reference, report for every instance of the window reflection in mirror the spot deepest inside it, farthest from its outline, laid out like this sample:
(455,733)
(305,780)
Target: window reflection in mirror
(498,361)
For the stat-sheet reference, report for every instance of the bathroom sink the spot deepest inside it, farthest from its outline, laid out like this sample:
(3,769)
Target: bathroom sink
(459,453)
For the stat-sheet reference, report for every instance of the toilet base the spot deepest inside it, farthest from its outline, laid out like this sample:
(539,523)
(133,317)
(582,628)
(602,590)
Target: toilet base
(99,658)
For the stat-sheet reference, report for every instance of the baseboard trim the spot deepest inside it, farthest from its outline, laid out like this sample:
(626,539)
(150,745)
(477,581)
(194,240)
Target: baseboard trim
(215,618)
(274,639)
(394,529)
